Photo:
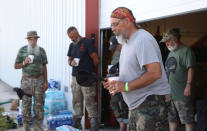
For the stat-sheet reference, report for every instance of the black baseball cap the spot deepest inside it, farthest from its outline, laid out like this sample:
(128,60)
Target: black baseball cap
(113,43)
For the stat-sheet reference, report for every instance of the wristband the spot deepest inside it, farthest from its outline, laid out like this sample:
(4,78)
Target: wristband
(126,87)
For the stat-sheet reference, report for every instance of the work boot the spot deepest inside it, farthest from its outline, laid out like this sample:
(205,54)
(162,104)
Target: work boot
(77,122)
(26,126)
(38,126)
(94,124)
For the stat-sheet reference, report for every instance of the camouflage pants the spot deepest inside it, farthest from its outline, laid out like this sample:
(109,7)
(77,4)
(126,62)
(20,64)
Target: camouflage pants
(119,107)
(151,115)
(181,110)
(81,93)
(35,88)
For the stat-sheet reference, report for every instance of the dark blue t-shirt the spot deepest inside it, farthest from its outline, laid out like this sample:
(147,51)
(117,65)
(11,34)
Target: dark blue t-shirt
(82,50)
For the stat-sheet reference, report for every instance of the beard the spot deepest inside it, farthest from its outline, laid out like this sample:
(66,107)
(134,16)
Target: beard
(173,48)
(121,39)
(33,50)
(77,40)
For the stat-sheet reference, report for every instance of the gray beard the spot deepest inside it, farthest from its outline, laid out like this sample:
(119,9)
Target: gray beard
(173,48)
(33,51)
(121,39)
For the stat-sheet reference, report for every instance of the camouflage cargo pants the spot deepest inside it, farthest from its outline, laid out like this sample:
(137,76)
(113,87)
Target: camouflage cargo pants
(151,115)
(81,93)
(181,110)
(119,107)
(35,88)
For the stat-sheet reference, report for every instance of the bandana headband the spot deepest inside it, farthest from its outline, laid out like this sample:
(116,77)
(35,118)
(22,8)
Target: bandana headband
(122,13)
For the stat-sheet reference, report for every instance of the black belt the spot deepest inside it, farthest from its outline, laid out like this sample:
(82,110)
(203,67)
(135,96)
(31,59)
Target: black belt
(33,77)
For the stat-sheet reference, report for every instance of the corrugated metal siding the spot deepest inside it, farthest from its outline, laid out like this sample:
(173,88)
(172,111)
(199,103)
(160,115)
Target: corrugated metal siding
(149,9)
(51,19)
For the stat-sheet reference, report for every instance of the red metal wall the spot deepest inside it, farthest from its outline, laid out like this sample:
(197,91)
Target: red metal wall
(92,26)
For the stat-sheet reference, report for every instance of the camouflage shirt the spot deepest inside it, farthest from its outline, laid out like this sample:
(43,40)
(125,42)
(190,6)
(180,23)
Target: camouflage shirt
(35,68)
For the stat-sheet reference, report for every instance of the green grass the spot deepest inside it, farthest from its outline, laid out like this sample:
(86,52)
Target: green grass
(3,121)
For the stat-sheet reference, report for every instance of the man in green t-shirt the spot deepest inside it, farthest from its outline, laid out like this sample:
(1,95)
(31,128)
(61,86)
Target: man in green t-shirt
(32,59)
(179,67)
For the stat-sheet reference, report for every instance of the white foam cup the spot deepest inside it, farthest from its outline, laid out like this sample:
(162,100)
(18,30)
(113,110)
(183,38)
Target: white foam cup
(113,78)
(76,61)
(31,58)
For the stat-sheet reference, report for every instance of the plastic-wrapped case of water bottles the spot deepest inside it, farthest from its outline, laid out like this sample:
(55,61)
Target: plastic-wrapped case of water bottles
(56,113)
(62,118)
(55,101)
(66,128)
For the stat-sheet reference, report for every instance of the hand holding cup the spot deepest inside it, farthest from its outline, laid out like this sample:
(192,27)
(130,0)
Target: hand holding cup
(31,57)
(75,62)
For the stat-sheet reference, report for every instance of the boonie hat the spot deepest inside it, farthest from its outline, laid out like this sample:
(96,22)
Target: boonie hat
(31,34)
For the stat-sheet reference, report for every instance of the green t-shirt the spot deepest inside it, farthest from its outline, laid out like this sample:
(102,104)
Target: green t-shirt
(35,68)
(115,58)
(177,65)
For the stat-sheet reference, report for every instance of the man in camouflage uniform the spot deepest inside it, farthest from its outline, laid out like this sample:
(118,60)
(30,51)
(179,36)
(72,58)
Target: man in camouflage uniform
(32,60)
(82,49)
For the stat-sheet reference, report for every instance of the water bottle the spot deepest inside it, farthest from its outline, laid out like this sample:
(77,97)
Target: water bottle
(71,120)
(55,122)
(50,122)
(59,121)
(65,120)
(20,107)
(19,119)
(45,124)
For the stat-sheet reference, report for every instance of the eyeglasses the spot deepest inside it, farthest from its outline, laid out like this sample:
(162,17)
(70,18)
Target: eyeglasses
(113,25)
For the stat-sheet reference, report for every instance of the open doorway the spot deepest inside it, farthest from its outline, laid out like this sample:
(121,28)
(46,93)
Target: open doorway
(107,118)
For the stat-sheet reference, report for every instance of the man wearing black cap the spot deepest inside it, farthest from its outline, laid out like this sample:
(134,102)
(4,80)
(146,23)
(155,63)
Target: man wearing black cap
(116,48)
(119,107)
(142,78)
(179,67)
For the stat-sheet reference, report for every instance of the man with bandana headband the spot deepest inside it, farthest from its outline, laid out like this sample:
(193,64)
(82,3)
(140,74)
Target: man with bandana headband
(32,59)
(142,78)
(179,66)
(82,48)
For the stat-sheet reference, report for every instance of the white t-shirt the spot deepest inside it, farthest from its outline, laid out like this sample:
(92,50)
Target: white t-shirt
(141,49)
